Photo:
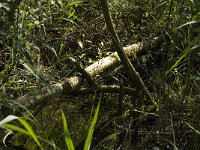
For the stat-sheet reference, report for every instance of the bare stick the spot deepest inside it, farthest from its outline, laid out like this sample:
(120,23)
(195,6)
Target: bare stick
(86,75)
(133,74)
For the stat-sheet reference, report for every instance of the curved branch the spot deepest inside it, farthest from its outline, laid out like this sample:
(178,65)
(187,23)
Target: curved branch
(133,74)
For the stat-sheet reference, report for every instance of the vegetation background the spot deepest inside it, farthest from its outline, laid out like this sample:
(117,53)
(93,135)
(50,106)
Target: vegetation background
(38,37)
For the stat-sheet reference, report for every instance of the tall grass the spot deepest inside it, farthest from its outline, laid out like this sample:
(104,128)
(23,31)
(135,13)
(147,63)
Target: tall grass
(29,131)
(37,37)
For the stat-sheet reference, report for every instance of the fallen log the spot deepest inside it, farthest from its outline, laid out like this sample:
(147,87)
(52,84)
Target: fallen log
(69,84)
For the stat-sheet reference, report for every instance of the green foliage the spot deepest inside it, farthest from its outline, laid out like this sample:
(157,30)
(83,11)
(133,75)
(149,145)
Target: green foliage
(29,131)
(68,139)
(91,129)
(89,135)
(37,38)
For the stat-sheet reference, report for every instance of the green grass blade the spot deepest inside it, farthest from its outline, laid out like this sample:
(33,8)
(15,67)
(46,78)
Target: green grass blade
(30,131)
(177,62)
(45,43)
(198,132)
(195,47)
(5,124)
(50,143)
(16,128)
(73,4)
(7,119)
(182,56)
(189,23)
(32,70)
(91,129)
(68,139)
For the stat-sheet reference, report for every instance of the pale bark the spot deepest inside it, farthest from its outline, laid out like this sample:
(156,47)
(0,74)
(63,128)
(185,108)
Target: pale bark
(71,83)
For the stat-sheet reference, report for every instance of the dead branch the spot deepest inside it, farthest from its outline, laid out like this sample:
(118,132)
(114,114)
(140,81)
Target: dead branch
(69,84)
(105,89)
(89,79)
(129,68)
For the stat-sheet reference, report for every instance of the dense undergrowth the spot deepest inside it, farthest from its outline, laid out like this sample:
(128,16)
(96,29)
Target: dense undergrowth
(38,37)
